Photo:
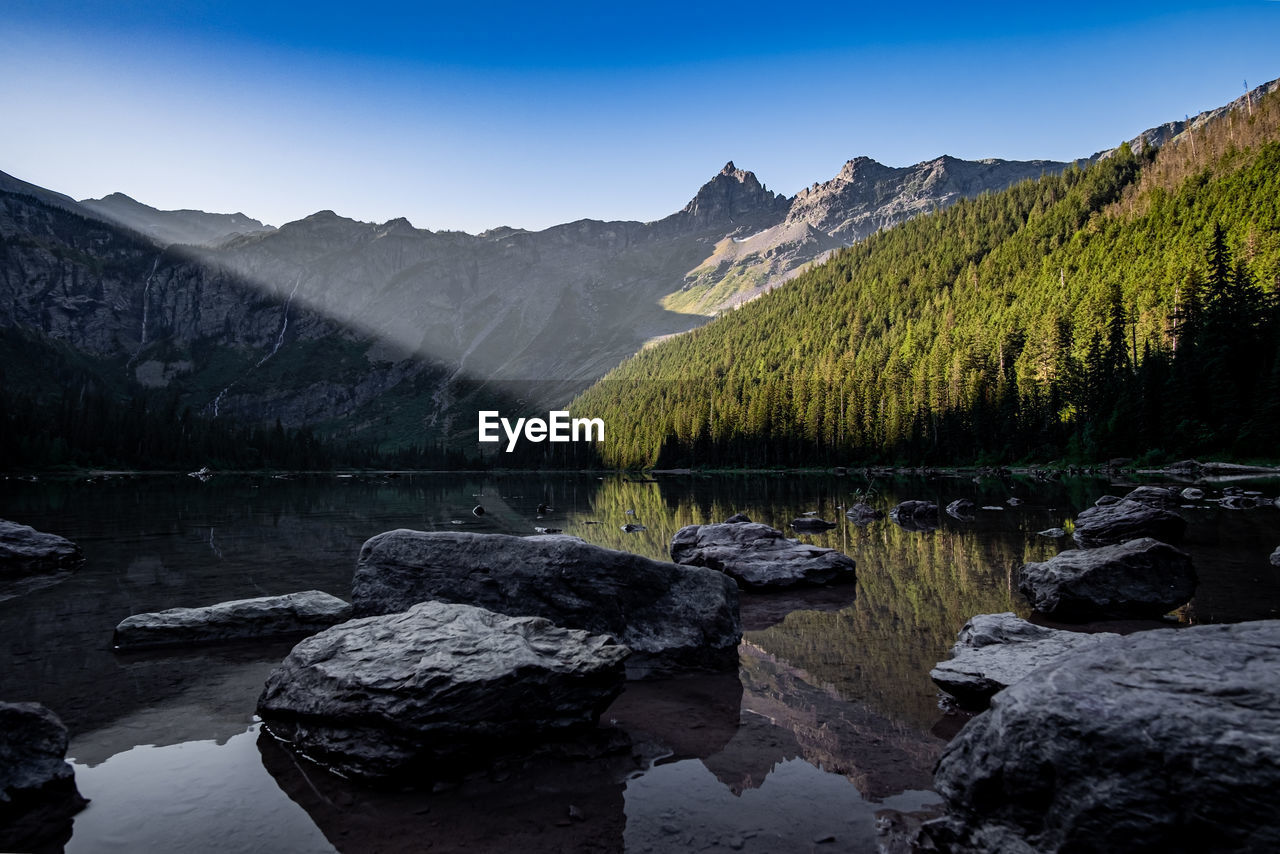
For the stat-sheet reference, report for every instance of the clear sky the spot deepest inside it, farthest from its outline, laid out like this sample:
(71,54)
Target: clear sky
(474,115)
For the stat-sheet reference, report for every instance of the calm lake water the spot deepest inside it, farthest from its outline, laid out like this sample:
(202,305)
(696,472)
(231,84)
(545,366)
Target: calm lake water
(824,740)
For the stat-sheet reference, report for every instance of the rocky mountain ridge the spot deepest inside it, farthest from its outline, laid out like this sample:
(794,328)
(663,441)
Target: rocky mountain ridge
(397,333)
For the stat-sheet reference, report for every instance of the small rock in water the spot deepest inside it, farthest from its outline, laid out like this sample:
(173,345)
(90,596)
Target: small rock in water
(1275,557)
(1052,533)
(991,507)
(631,528)
(1192,494)
(1014,501)
(478,510)
(549,530)
(962,509)
(811,524)
(575,814)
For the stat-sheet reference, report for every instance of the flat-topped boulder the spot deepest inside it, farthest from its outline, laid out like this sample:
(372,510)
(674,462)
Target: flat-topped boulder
(242,619)
(437,689)
(993,651)
(1165,740)
(1124,520)
(1140,578)
(759,557)
(672,617)
(38,794)
(915,515)
(25,551)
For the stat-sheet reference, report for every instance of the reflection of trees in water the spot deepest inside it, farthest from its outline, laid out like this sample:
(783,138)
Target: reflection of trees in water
(915,591)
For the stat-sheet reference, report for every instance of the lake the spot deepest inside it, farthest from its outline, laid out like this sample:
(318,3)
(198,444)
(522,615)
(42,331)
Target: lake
(823,740)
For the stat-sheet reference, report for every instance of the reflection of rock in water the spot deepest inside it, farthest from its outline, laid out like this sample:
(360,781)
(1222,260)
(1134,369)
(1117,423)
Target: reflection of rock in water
(690,716)
(199,696)
(538,805)
(880,756)
(760,611)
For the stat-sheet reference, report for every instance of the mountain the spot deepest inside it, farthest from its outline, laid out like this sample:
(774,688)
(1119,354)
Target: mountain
(1130,307)
(165,227)
(863,198)
(395,335)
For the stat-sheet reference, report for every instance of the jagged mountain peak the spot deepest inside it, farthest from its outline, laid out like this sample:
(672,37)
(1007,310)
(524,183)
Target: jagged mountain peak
(734,197)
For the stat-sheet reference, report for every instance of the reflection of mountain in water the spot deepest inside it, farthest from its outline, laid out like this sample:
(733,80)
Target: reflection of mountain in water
(880,756)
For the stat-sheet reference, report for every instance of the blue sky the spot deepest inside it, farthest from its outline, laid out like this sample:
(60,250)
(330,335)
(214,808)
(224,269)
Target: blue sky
(474,116)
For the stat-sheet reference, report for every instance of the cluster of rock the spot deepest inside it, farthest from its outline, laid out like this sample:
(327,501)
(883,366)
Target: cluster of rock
(1166,739)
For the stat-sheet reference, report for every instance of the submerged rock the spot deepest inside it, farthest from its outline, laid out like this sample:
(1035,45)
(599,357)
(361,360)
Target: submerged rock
(1140,578)
(438,688)
(241,619)
(672,617)
(38,794)
(993,651)
(811,524)
(962,509)
(915,515)
(759,557)
(1166,740)
(862,514)
(24,550)
(1126,520)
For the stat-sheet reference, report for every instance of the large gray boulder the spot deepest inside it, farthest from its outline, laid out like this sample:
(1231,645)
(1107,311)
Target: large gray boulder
(38,792)
(672,617)
(241,619)
(1126,520)
(1165,740)
(24,550)
(759,557)
(993,651)
(1140,578)
(438,688)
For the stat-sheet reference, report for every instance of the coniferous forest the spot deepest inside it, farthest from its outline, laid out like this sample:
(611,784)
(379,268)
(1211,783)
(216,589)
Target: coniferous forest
(1130,307)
